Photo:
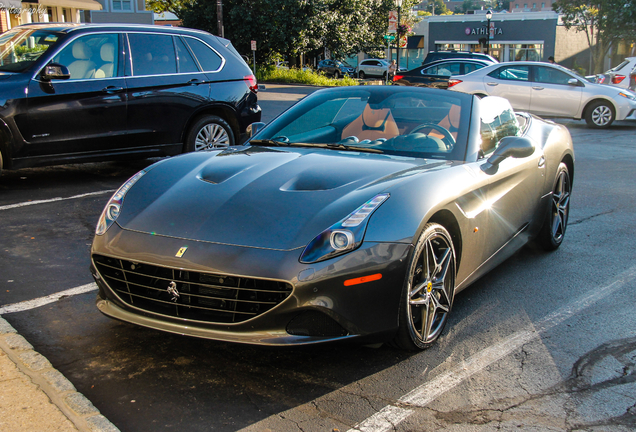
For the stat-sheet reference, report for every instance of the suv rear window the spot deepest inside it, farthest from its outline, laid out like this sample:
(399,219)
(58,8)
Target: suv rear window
(209,60)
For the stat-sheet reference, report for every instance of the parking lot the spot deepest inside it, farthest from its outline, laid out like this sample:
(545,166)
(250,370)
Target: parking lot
(547,341)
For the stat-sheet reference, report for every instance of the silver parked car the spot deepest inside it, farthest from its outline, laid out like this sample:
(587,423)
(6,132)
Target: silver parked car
(373,67)
(549,90)
(618,75)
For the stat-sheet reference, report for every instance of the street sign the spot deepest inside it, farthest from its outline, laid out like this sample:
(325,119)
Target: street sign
(253,45)
(389,37)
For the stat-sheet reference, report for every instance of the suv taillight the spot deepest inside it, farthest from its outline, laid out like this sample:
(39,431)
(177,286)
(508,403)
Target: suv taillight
(397,77)
(452,82)
(616,79)
(250,80)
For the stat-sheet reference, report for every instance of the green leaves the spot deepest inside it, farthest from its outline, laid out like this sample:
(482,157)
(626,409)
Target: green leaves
(603,21)
(290,27)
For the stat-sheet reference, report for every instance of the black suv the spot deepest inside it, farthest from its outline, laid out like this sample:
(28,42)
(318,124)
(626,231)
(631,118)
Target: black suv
(82,93)
(444,55)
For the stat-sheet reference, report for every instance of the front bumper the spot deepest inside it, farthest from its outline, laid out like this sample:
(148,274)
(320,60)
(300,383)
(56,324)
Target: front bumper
(367,311)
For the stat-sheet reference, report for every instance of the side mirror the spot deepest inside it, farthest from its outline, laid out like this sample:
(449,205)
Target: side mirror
(254,128)
(55,71)
(574,82)
(511,146)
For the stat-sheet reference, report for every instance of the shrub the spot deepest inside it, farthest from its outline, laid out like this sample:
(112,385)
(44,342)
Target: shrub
(298,76)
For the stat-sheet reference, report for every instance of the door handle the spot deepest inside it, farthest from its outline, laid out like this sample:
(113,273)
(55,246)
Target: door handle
(492,84)
(113,89)
(541,162)
(195,81)
(537,88)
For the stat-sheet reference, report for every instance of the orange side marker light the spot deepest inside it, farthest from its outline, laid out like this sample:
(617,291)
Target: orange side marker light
(363,279)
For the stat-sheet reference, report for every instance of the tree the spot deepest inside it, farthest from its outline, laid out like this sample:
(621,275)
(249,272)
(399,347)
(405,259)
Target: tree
(174,6)
(291,27)
(604,22)
(437,7)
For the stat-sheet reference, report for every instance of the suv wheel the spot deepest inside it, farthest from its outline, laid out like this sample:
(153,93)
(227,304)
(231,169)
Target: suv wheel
(209,132)
(361,74)
(336,74)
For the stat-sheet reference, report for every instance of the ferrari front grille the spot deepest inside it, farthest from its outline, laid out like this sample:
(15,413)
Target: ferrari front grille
(190,295)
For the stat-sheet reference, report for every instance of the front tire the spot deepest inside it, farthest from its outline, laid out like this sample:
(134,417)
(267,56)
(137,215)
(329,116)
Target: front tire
(600,115)
(556,221)
(361,74)
(336,75)
(207,133)
(428,291)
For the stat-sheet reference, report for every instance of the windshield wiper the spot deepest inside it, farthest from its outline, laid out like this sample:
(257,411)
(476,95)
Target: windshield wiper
(353,148)
(269,142)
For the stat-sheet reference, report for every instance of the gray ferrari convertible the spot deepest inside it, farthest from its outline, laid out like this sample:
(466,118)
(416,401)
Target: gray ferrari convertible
(358,214)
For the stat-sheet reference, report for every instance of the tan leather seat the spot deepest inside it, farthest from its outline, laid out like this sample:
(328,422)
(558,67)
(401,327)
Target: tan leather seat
(83,66)
(107,53)
(450,123)
(372,124)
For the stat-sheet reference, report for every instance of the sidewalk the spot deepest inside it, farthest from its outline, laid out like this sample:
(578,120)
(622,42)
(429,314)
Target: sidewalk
(36,397)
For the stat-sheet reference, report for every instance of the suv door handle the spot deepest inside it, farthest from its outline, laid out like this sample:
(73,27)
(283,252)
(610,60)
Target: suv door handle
(492,84)
(113,89)
(195,81)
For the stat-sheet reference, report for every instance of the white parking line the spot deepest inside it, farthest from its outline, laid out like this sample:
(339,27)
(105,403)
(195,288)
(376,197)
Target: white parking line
(28,203)
(32,304)
(391,415)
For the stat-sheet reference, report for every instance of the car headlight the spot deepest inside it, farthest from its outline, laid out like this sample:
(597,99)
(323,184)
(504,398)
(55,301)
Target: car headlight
(628,96)
(113,208)
(344,236)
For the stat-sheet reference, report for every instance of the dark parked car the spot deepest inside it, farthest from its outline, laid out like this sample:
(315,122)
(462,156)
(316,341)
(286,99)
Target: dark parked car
(336,68)
(358,214)
(438,73)
(443,55)
(80,93)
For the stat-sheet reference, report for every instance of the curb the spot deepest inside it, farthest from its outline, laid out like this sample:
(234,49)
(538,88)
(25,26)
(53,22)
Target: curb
(62,393)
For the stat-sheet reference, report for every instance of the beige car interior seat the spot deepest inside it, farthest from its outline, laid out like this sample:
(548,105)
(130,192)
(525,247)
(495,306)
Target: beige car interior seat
(82,67)
(107,53)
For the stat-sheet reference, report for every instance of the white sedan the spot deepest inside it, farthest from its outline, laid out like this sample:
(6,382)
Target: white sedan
(549,90)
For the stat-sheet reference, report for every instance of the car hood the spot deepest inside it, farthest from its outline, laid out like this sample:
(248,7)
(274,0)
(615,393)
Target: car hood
(260,197)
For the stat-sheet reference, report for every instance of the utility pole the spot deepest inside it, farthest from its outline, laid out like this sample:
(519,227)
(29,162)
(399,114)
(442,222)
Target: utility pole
(219,17)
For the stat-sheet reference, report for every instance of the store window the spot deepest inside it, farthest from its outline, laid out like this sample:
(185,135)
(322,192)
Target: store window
(122,5)
(525,52)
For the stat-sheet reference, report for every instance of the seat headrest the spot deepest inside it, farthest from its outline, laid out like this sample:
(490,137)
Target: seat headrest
(81,51)
(374,117)
(453,116)
(107,52)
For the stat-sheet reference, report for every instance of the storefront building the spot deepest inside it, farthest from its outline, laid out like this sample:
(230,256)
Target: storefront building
(519,36)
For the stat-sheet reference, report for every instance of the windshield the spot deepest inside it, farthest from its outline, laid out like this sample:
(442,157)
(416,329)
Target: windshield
(20,48)
(341,63)
(392,120)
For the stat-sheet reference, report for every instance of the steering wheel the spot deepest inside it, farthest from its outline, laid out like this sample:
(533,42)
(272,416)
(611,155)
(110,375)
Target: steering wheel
(448,139)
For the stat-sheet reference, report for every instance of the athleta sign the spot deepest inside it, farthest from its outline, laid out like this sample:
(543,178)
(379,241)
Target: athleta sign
(477,31)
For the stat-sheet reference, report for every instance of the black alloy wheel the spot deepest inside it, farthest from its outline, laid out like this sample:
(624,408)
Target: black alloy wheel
(428,291)
(209,132)
(556,221)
